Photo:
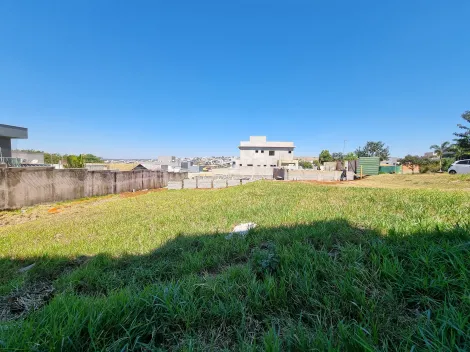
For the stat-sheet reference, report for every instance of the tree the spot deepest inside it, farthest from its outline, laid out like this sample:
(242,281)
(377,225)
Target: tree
(463,140)
(337,156)
(350,157)
(75,162)
(52,158)
(325,156)
(374,149)
(410,161)
(306,164)
(458,151)
(90,158)
(441,151)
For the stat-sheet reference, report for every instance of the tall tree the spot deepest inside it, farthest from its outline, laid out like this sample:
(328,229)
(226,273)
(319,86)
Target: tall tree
(410,161)
(350,157)
(463,137)
(75,161)
(325,156)
(337,156)
(458,151)
(441,151)
(374,149)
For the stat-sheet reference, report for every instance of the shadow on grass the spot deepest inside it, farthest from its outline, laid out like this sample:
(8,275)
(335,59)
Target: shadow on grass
(326,284)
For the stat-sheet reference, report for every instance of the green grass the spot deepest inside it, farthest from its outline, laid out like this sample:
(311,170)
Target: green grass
(442,181)
(327,268)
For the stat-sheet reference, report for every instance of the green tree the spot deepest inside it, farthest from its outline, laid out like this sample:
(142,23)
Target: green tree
(306,164)
(463,137)
(458,151)
(325,156)
(337,156)
(441,151)
(350,157)
(374,149)
(90,158)
(52,158)
(75,162)
(411,161)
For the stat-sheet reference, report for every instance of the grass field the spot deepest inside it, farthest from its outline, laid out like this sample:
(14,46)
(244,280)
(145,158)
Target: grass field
(417,181)
(327,268)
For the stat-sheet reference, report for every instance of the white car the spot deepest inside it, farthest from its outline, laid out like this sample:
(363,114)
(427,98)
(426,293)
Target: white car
(460,167)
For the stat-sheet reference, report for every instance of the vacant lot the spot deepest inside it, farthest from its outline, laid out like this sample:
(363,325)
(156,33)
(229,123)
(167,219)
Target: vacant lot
(328,267)
(422,181)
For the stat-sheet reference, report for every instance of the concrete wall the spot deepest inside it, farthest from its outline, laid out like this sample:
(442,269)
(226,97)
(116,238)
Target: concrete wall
(316,175)
(208,182)
(28,186)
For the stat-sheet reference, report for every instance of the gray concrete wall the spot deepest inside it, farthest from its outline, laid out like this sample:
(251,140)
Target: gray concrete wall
(208,183)
(21,187)
(177,176)
(316,175)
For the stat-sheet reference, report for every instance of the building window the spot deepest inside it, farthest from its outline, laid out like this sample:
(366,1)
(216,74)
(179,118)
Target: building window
(250,165)
(262,152)
(290,151)
(271,153)
(265,165)
(256,151)
(241,164)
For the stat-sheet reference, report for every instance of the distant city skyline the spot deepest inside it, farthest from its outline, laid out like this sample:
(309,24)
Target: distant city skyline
(138,80)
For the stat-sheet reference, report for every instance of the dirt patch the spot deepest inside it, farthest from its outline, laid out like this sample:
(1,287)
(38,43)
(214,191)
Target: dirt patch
(25,300)
(26,214)
(53,210)
(35,294)
(139,193)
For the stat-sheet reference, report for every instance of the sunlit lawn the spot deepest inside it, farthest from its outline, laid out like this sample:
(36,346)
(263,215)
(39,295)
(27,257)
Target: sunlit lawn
(340,268)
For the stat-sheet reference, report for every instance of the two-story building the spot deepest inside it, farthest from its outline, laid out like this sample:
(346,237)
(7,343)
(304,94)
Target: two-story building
(258,153)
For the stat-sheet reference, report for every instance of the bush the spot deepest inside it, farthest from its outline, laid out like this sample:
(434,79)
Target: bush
(306,164)
(446,163)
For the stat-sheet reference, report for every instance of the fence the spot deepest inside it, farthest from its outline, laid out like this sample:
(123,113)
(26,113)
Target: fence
(209,182)
(28,186)
(11,162)
(316,175)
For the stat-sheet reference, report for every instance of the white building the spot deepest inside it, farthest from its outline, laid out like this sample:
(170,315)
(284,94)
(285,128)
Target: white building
(258,154)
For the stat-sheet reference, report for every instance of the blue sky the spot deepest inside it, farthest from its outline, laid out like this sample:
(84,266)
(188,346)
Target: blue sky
(147,78)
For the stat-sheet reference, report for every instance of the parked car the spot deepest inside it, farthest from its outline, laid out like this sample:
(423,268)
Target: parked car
(460,167)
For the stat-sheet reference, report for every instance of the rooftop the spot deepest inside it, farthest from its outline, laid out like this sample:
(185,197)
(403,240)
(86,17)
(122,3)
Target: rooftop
(260,141)
(13,131)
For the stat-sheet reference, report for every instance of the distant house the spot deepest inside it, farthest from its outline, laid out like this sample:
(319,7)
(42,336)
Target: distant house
(7,133)
(28,157)
(431,155)
(391,161)
(148,166)
(258,153)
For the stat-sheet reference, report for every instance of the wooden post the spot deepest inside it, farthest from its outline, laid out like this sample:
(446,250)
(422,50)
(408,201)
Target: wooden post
(241,182)
(226,182)
(361,172)
(212,182)
(182,184)
(197,182)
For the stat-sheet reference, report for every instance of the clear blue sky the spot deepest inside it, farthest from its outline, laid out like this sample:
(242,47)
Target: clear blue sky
(148,78)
